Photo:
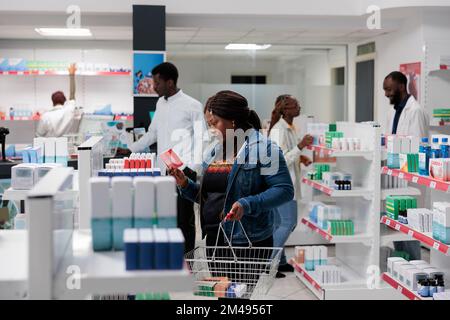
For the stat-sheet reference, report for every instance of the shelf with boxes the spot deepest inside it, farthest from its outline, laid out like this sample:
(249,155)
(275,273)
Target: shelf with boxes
(136,165)
(49,252)
(356,234)
(418,179)
(324,151)
(425,238)
(105,273)
(352,238)
(397,285)
(327,221)
(120,203)
(419,162)
(355,192)
(324,276)
(416,279)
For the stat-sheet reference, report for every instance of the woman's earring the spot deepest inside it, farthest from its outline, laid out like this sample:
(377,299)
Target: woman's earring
(233,125)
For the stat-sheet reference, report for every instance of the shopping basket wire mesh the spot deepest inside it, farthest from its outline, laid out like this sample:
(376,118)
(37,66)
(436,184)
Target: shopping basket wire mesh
(233,272)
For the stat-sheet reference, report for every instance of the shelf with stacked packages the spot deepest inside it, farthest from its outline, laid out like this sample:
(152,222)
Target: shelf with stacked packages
(350,217)
(419,214)
(125,252)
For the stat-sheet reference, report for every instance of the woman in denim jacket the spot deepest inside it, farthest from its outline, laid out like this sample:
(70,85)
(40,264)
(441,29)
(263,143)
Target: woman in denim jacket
(249,179)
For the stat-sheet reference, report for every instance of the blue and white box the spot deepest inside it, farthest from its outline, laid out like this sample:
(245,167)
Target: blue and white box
(161,239)
(131,241)
(146,249)
(176,244)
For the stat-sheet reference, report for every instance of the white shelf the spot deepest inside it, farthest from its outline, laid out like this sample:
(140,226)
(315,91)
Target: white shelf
(357,238)
(367,154)
(14,264)
(15,195)
(355,192)
(401,288)
(350,279)
(425,238)
(104,273)
(426,181)
(399,192)
(387,236)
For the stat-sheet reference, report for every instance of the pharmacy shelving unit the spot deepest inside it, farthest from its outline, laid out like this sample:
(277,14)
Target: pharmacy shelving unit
(354,254)
(52,260)
(401,288)
(90,161)
(358,237)
(439,252)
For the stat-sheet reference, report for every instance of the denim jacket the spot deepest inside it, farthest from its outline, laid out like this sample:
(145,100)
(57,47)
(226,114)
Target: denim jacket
(259,182)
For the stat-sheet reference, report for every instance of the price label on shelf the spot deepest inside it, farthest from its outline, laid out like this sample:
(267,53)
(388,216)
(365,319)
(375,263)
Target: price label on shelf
(317,230)
(389,172)
(401,175)
(400,289)
(436,245)
(397,227)
(410,233)
(415,179)
(388,222)
(433,184)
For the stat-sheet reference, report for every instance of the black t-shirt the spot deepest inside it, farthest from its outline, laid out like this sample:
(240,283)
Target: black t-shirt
(214,186)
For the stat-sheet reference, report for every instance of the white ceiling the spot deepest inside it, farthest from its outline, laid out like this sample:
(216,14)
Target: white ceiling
(206,35)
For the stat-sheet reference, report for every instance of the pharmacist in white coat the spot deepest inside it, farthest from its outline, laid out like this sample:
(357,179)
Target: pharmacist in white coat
(60,120)
(406,118)
(176,112)
(283,132)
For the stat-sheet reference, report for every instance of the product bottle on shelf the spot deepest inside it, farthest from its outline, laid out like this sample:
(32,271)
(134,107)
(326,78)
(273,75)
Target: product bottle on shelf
(424,157)
(435,149)
(445,148)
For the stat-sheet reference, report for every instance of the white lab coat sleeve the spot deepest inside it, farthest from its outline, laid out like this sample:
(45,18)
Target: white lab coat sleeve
(148,138)
(419,123)
(291,155)
(42,127)
(201,138)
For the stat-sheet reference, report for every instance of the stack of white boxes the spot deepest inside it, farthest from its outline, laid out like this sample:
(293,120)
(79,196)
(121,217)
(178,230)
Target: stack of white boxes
(441,221)
(328,274)
(420,219)
(53,150)
(409,273)
(328,212)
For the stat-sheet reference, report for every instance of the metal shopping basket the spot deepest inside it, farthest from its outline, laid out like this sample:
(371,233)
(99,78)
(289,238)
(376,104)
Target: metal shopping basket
(233,272)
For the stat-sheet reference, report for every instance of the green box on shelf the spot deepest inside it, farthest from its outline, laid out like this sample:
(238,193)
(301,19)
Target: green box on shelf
(332,127)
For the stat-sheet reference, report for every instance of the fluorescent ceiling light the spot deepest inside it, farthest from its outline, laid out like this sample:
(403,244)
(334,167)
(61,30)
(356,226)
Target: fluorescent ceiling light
(247,46)
(64,32)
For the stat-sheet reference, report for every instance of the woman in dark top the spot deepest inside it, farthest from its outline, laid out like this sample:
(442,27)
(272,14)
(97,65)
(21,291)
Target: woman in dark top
(249,179)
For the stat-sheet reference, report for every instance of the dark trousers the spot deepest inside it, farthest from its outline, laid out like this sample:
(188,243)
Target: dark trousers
(185,215)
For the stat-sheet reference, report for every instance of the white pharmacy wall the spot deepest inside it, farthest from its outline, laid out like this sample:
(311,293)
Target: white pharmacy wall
(393,49)
(92,92)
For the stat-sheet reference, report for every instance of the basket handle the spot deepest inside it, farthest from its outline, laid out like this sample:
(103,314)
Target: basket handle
(229,240)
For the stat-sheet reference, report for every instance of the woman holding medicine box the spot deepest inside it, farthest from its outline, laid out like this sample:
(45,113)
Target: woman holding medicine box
(248,179)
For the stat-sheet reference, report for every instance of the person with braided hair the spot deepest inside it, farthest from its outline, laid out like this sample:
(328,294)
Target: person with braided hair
(237,180)
(282,132)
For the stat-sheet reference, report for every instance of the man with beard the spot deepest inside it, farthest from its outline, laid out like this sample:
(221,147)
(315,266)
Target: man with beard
(406,118)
